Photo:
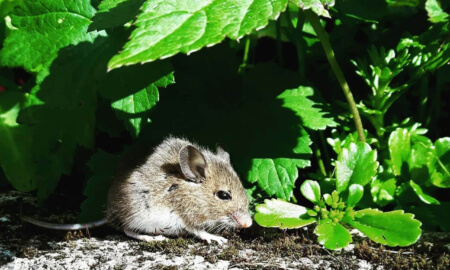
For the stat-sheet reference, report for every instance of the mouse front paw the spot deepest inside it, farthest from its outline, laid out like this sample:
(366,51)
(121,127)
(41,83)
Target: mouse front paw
(210,237)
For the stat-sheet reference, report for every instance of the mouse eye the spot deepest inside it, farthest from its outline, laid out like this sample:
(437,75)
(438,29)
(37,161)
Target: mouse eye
(223,195)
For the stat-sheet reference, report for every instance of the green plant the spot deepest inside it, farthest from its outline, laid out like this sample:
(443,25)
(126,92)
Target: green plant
(356,166)
(81,84)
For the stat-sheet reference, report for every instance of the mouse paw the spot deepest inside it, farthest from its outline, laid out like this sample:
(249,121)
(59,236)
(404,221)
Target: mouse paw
(210,237)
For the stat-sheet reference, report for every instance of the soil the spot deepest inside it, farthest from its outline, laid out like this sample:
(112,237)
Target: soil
(24,246)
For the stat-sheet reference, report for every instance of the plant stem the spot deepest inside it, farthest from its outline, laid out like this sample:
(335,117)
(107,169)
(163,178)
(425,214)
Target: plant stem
(243,66)
(298,38)
(325,41)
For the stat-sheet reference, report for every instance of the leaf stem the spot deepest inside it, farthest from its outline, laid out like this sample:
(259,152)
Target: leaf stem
(243,66)
(298,38)
(325,41)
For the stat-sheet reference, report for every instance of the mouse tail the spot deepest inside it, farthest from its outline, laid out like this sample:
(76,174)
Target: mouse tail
(64,227)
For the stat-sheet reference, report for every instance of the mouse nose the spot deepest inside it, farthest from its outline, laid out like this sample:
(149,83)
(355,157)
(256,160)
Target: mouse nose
(243,219)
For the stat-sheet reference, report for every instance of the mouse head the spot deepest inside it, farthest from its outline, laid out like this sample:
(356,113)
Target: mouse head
(223,201)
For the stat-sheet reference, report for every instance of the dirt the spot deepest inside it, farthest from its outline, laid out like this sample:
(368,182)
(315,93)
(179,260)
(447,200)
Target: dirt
(24,246)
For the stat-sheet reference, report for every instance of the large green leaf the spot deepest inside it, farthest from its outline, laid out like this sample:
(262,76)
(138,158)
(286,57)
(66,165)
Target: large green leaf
(133,91)
(113,13)
(400,149)
(41,28)
(332,235)
(440,163)
(167,27)
(356,164)
(276,176)
(393,228)
(298,101)
(102,165)
(16,158)
(135,107)
(281,214)
(67,117)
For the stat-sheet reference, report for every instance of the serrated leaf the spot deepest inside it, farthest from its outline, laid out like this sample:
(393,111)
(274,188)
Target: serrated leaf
(298,101)
(332,235)
(102,165)
(113,13)
(440,163)
(133,91)
(16,158)
(281,214)
(394,228)
(67,117)
(311,191)
(136,104)
(355,193)
(422,195)
(356,164)
(435,12)
(165,28)
(318,6)
(276,176)
(48,25)
(399,149)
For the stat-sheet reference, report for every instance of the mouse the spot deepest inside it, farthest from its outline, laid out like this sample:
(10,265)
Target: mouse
(179,189)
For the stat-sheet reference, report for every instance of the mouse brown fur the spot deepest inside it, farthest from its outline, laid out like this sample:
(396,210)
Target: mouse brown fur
(181,188)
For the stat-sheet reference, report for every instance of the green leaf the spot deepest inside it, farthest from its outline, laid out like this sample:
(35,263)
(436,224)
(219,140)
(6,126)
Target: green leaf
(165,28)
(297,100)
(318,6)
(435,12)
(114,13)
(418,163)
(139,102)
(311,190)
(281,214)
(66,118)
(356,164)
(6,6)
(422,195)
(96,191)
(41,28)
(400,149)
(440,163)
(332,235)
(355,193)
(133,90)
(383,191)
(276,176)
(393,228)
(16,158)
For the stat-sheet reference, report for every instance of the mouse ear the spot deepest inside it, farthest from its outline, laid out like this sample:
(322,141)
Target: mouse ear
(223,154)
(192,163)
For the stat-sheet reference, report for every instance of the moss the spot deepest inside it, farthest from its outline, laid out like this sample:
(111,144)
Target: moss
(176,246)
